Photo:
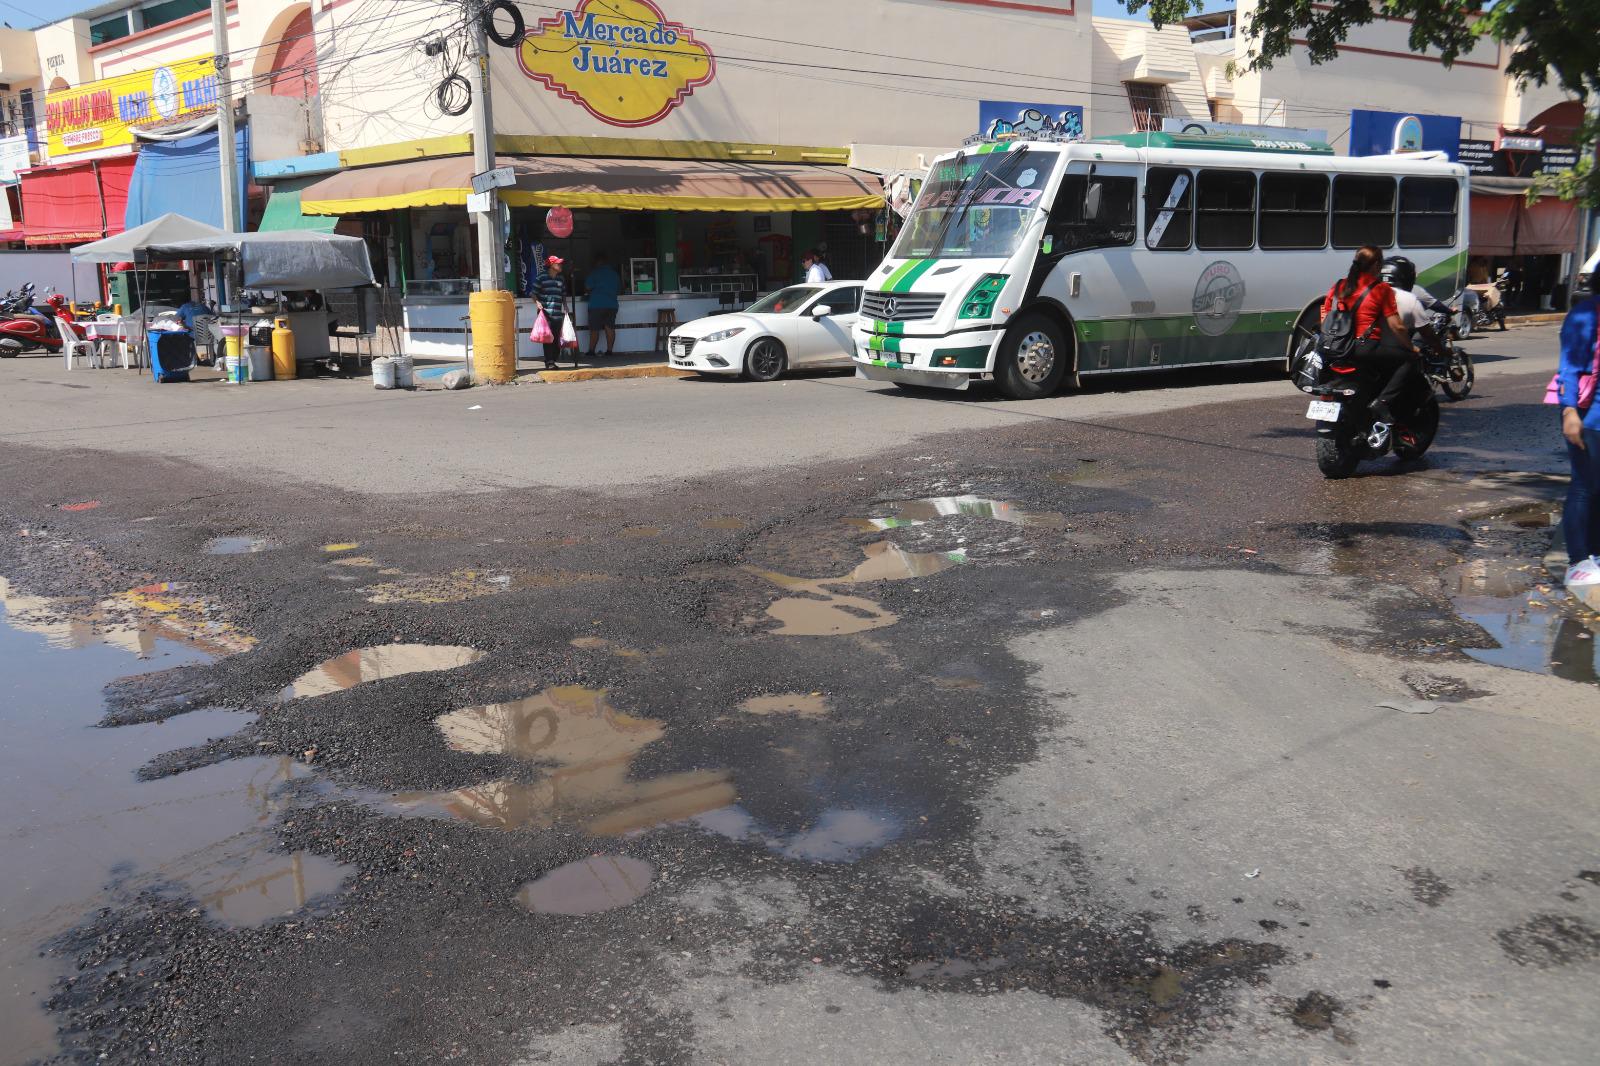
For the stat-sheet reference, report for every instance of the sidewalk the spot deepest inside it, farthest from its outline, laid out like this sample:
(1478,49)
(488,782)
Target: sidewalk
(601,368)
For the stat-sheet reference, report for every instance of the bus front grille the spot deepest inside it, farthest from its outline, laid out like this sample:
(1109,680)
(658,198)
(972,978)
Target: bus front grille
(901,306)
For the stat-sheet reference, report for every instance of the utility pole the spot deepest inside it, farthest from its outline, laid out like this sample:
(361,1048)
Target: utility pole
(226,141)
(492,310)
(487,222)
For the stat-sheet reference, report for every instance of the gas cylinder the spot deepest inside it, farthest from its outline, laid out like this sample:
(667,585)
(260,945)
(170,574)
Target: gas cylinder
(282,350)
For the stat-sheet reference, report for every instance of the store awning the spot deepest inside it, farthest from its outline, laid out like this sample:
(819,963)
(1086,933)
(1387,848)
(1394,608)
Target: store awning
(75,202)
(284,213)
(1504,223)
(180,177)
(588,183)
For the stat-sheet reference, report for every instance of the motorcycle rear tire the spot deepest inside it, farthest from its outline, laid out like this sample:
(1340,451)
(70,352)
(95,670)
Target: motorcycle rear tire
(1424,426)
(1336,458)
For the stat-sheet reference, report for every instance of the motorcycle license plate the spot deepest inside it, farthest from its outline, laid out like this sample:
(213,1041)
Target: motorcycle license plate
(1323,411)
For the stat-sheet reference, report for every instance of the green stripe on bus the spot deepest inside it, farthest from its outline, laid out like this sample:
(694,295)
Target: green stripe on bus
(903,282)
(899,272)
(1106,330)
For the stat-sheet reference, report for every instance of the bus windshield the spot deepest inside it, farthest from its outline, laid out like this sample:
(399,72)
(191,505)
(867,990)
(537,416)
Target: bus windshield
(976,206)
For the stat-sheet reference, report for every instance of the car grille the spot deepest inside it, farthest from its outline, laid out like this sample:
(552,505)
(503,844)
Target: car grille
(901,306)
(680,346)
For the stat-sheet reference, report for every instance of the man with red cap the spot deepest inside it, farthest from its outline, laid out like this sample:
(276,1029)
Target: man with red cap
(551,292)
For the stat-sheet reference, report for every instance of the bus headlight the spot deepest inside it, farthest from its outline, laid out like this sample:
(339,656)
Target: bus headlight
(980,301)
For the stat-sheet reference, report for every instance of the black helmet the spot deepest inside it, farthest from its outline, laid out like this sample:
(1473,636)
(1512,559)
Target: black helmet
(1400,272)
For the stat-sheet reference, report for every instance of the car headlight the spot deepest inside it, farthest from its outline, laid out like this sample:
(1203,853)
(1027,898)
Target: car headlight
(723,334)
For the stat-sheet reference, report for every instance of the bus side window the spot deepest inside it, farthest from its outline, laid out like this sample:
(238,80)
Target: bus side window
(1294,211)
(1363,211)
(1225,210)
(1427,212)
(1114,227)
(1168,208)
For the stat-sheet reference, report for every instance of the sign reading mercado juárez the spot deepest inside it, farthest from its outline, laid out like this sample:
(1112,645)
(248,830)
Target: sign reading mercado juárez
(620,60)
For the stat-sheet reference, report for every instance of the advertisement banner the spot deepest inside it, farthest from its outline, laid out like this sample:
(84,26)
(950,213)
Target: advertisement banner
(1000,118)
(13,157)
(1383,132)
(1237,129)
(104,114)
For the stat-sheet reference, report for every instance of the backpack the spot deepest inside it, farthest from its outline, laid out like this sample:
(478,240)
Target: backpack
(1336,339)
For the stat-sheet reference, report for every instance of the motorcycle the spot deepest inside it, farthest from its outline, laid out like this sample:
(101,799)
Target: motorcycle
(1346,433)
(1451,371)
(16,302)
(35,330)
(1480,306)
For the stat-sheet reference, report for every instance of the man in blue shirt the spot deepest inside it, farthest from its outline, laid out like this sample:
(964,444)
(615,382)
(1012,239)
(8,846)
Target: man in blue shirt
(603,285)
(1580,521)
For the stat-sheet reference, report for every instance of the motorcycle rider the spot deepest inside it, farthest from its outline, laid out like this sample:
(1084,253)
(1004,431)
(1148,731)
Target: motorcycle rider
(1383,338)
(1415,311)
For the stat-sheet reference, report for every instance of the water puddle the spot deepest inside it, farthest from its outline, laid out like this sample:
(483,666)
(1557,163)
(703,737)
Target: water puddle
(77,817)
(240,545)
(376,663)
(839,833)
(1511,593)
(458,586)
(591,746)
(928,509)
(803,704)
(819,610)
(136,620)
(589,886)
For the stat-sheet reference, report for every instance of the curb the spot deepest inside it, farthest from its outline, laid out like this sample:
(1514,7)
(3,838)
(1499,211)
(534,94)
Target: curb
(1533,320)
(612,373)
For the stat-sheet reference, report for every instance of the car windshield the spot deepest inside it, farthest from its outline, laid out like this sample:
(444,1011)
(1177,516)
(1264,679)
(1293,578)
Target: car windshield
(784,301)
(976,206)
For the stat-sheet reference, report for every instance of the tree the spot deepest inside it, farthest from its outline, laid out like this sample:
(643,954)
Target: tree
(1549,40)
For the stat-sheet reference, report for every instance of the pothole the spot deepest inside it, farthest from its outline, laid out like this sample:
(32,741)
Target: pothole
(929,508)
(240,545)
(817,609)
(594,885)
(376,663)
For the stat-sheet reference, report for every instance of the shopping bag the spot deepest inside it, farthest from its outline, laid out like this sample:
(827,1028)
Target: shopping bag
(540,334)
(1586,381)
(569,336)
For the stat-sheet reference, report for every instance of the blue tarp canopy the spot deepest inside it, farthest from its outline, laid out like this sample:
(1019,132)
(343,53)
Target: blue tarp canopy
(180,177)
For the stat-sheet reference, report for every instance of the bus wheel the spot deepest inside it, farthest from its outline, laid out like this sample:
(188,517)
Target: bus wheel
(1032,360)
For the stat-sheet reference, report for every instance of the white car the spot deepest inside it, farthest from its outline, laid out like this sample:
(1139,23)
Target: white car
(800,326)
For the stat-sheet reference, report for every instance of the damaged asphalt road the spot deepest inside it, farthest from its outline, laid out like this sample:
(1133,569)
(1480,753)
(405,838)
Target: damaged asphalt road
(1030,740)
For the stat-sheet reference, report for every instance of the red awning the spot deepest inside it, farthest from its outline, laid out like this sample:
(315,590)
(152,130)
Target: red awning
(75,202)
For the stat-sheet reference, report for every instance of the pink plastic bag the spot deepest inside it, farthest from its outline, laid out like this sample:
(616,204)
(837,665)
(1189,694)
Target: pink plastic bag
(1586,382)
(540,334)
(569,336)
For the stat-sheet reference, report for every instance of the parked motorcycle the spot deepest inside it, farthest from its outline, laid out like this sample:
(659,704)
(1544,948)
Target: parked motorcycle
(1480,306)
(35,330)
(17,301)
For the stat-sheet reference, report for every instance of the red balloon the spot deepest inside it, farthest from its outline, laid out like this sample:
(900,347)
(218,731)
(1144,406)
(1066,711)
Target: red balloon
(558,220)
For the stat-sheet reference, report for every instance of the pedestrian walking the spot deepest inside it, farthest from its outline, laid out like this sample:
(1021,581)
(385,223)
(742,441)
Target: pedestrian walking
(603,284)
(1574,389)
(817,271)
(551,292)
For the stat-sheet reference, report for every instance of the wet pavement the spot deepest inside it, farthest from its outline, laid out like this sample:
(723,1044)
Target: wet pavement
(1124,741)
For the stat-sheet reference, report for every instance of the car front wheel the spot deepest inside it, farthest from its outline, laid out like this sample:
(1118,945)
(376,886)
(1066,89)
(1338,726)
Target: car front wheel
(765,359)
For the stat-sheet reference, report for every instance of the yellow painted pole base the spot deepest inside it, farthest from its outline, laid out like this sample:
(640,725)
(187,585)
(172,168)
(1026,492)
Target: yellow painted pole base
(494,335)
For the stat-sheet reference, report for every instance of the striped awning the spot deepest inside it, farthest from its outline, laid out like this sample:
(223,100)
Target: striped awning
(589,183)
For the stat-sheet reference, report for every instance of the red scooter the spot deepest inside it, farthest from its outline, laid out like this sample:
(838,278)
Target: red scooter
(36,330)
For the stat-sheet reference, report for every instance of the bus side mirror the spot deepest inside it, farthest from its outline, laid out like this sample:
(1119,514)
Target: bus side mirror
(1093,209)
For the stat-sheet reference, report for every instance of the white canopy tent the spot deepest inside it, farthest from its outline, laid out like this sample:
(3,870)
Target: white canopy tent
(130,246)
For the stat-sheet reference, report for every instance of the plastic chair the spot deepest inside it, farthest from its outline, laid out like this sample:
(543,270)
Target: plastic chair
(207,333)
(74,347)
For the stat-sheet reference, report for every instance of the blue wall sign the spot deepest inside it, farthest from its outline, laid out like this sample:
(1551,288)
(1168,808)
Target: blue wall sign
(1382,132)
(1000,117)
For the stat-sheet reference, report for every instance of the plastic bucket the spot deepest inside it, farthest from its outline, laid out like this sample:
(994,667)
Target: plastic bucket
(404,378)
(260,360)
(383,372)
(236,369)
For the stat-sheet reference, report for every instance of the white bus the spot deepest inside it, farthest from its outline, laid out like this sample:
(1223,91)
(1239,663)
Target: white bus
(1039,263)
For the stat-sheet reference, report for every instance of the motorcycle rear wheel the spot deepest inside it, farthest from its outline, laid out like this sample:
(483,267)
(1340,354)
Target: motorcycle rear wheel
(1336,457)
(1422,427)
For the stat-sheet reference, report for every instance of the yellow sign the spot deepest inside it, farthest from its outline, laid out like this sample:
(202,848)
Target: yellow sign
(104,114)
(620,60)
